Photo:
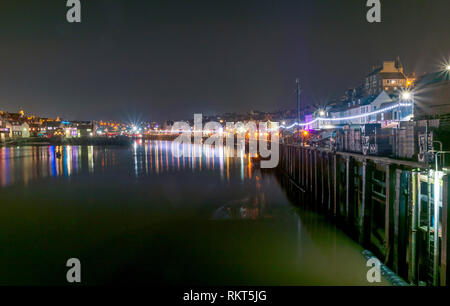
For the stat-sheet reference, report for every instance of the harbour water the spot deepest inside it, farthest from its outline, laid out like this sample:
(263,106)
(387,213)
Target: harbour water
(141,215)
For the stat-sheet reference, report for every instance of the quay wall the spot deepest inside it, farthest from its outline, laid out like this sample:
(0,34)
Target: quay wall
(387,205)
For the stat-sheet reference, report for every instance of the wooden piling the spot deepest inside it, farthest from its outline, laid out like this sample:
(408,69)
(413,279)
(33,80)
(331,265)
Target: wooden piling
(366,203)
(315,176)
(335,198)
(352,186)
(412,271)
(349,198)
(391,181)
(445,243)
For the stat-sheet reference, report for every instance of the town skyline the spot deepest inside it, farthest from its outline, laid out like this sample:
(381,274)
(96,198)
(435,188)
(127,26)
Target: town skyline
(339,101)
(160,60)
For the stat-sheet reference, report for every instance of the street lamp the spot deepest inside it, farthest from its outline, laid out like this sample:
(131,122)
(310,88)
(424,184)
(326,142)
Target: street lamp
(448,67)
(406,95)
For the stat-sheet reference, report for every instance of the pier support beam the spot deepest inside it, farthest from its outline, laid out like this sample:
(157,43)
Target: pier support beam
(322,178)
(316,196)
(307,170)
(311,171)
(400,222)
(366,203)
(335,195)
(391,180)
(329,182)
(413,203)
(350,189)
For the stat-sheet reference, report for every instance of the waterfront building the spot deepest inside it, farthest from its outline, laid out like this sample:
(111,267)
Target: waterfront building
(390,77)
(352,109)
(80,128)
(4,131)
(53,128)
(35,129)
(18,129)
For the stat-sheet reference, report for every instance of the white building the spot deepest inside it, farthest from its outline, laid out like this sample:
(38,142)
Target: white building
(18,129)
(354,112)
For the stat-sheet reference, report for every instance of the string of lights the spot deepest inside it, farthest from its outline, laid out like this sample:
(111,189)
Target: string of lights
(303,124)
(382,110)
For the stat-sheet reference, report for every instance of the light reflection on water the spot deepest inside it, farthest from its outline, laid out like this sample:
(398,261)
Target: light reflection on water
(142,214)
(25,164)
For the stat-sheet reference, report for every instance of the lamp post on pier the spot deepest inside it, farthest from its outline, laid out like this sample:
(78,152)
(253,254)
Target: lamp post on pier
(299,91)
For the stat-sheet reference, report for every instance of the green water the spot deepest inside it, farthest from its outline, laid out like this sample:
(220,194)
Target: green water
(139,215)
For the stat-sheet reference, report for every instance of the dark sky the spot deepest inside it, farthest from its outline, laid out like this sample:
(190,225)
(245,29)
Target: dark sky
(156,60)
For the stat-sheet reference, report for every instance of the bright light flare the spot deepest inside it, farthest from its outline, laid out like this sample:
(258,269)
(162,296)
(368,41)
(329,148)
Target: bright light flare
(406,95)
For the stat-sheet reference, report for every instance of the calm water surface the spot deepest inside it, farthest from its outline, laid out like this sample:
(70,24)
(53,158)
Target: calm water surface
(141,215)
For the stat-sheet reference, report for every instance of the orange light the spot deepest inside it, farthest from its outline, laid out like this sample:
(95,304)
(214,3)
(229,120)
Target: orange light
(305,133)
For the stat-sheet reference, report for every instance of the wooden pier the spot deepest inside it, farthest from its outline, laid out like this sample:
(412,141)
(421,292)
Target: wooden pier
(387,205)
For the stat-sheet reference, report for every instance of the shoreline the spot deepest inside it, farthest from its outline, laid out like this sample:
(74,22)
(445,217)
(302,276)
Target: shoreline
(88,141)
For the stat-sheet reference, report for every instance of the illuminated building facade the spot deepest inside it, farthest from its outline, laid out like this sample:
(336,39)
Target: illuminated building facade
(390,77)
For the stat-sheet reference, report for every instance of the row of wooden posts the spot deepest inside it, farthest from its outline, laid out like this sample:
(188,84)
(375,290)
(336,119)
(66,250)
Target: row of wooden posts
(386,205)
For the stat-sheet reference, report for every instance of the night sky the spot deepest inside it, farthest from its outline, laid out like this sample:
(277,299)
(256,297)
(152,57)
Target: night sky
(157,60)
